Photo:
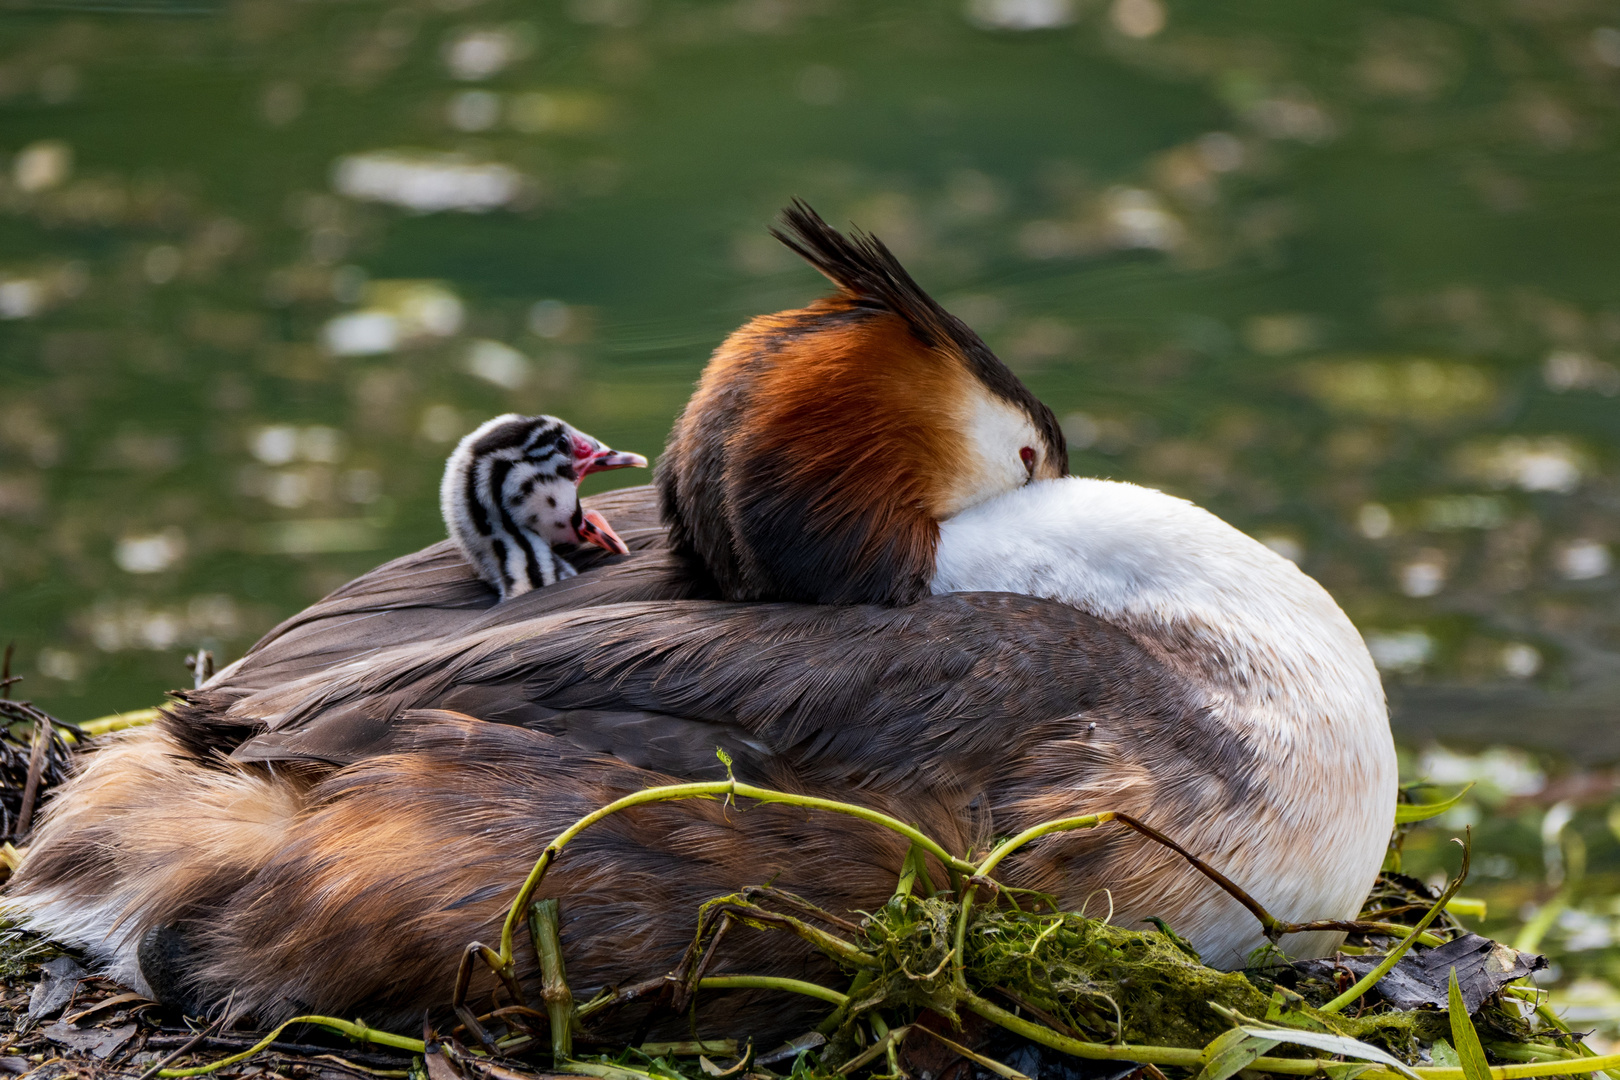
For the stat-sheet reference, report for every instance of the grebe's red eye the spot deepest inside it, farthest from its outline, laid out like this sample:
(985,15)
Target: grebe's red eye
(1027,454)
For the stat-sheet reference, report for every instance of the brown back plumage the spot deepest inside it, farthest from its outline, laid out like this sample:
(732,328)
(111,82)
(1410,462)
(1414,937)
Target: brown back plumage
(429,595)
(348,882)
(823,445)
(396,787)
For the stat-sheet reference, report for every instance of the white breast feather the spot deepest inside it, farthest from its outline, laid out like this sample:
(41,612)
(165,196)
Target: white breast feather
(1291,674)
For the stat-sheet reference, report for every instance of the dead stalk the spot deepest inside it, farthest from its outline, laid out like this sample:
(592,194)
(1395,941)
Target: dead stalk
(36,766)
(545,932)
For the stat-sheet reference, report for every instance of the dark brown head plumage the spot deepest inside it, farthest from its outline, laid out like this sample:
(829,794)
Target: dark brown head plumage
(825,444)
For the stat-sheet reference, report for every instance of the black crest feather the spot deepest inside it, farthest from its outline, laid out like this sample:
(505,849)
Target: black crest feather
(864,268)
(866,271)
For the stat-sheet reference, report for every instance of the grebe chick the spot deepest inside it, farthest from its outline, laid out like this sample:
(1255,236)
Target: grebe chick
(511,491)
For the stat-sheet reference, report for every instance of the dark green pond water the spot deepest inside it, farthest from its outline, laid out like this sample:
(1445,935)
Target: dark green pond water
(1346,273)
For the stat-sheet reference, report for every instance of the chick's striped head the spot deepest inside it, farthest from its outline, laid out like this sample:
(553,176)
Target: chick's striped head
(511,492)
(824,445)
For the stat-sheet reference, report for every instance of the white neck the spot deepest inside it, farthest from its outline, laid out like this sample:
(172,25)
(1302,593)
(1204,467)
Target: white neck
(1288,672)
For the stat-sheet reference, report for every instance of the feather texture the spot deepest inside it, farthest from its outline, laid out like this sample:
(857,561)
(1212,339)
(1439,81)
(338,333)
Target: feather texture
(510,496)
(327,823)
(824,445)
(1179,672)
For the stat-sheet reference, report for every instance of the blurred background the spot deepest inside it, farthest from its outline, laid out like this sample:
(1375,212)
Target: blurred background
(1345,273)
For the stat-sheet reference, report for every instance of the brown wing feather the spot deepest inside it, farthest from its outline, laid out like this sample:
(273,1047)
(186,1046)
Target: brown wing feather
(345,870)
(429,595)
(879,690)
(357,894)
(425,595)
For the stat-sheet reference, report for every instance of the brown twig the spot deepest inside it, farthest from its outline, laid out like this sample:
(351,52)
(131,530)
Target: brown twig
(798,903)
(211,1029)
(36,765)
(1273,927)
(459,1004)
(508,1012)
(1267,920)
(464,981)
(6,678)
(201,666)
(28,713)
(615,997)
(831,944)
(686,986)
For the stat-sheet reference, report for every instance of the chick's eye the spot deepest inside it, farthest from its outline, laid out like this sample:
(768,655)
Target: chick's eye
(1027,455)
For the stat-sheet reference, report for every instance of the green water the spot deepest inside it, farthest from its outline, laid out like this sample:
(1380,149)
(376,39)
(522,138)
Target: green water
(1345,273)
(1346,277)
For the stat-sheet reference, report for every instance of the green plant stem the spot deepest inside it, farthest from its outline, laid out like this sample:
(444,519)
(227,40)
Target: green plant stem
(545,932)
(1369,980)
(689,1048)
(745,911)
(1522,1072)
(1035,832)
(835,1019)
(1517,1052)
(773,982)
(1532,932)
(1171,1055)
(707,790)
(988,865)
(884,1045)
(103,725)
(1552,1019)
(354,1030)
(1147,1055)
(604,1072)
(1396,930)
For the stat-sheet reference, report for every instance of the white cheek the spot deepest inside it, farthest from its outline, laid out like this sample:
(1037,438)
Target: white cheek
(550,520)
(995,432)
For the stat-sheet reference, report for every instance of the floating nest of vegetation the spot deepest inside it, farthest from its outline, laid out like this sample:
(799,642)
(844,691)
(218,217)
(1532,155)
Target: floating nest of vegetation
(964,977)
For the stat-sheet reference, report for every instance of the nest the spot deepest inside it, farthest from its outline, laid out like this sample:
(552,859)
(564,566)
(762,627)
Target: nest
(942,978)
(36,754)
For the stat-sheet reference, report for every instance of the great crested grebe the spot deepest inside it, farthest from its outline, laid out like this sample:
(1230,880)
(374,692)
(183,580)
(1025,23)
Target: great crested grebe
(1080,645)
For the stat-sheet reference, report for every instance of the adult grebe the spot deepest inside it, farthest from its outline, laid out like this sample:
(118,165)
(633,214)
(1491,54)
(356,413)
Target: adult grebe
(1142,656)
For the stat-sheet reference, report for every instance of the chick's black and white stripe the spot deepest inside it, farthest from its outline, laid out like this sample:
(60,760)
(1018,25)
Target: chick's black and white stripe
(509,493)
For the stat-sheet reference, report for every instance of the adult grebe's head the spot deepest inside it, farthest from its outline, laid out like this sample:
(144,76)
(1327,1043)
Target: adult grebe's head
(824,445)
(511,491)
